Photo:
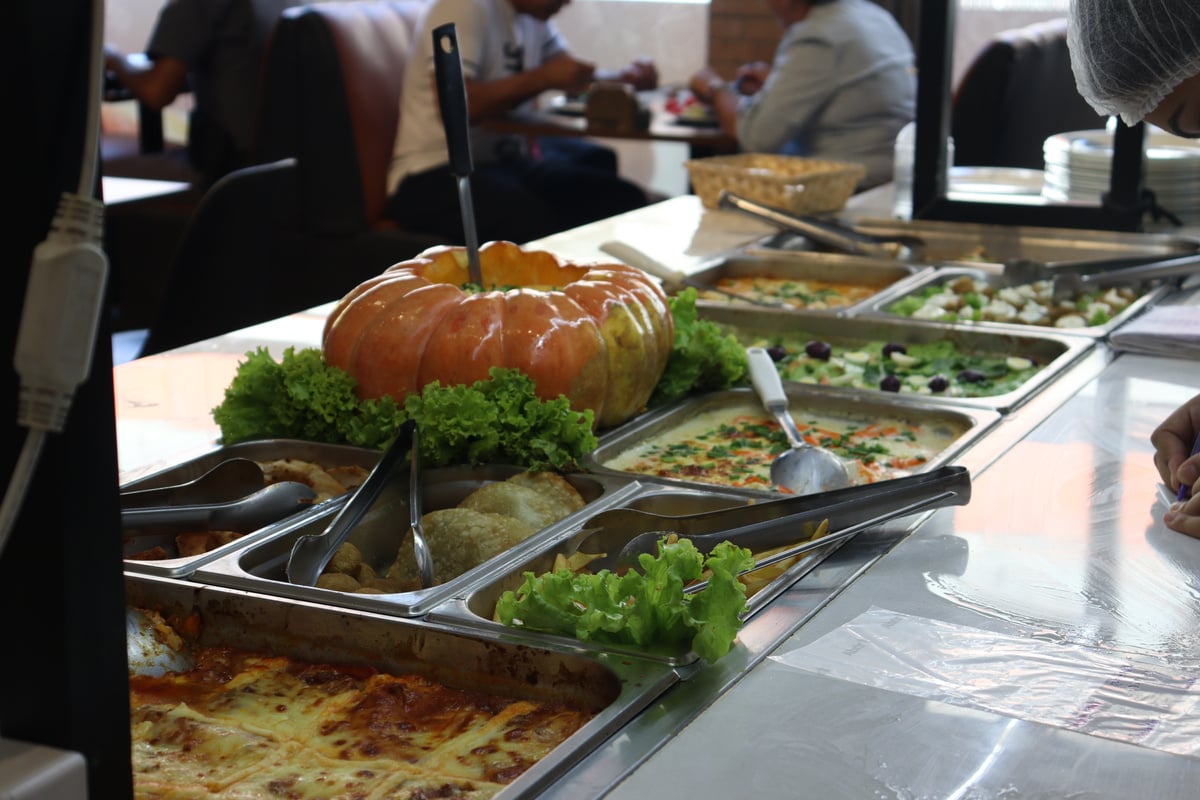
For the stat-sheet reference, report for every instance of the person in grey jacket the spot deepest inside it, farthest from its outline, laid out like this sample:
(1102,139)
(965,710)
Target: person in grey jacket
(841,86)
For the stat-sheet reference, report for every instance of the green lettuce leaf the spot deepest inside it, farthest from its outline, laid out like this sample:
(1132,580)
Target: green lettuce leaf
(647,608)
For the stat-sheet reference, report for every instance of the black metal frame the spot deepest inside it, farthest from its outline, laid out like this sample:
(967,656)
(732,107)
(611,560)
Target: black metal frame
(1122,208)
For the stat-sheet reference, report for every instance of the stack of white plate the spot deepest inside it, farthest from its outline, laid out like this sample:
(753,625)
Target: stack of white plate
(1079,166)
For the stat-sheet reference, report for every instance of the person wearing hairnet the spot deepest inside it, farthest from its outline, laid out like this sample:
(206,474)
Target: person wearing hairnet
(1140,59)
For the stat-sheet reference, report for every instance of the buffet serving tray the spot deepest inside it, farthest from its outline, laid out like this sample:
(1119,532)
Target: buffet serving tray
(1056,351)
(977,243)
(960,425)
(474,609)
(136,540)
(260,566)
(835,268)
(879,305)
(616,688)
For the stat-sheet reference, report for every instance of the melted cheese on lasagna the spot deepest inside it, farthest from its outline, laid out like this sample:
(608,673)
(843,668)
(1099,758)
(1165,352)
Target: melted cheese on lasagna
(240,725)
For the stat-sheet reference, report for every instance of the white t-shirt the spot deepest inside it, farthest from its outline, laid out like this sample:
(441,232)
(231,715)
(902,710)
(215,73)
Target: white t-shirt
(494,41)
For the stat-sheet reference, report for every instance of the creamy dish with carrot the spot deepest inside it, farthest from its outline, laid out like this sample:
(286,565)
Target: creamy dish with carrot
(734,446)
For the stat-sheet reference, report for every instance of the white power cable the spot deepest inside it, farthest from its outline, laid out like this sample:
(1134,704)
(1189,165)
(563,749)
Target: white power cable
(63,302)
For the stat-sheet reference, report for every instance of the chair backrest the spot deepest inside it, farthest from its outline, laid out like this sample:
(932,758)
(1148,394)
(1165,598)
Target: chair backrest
(331,98)
(1018,92)
(233,265)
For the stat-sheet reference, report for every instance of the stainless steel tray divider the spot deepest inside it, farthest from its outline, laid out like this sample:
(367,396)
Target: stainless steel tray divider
(249,567)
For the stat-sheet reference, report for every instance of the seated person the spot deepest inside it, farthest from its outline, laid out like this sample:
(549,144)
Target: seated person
(511,52)
(214,49)
(841,87)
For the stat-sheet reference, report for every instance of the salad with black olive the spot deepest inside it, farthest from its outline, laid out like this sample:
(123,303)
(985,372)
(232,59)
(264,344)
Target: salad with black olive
(932,368)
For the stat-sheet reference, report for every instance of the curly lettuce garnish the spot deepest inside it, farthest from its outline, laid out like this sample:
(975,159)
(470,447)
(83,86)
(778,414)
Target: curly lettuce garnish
(646,608)
(496,421)
(704,357)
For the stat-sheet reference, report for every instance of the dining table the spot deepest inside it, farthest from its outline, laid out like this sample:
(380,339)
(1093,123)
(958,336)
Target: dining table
(557,115)
(1041,641)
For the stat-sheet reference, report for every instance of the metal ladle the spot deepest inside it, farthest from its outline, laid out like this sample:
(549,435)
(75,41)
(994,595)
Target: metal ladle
(804,469)
(452,100)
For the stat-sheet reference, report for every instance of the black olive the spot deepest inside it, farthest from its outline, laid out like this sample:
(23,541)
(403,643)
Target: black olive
(890,383)
(938,383)
(971,376)
(818,350)
(777,352)
(893,347)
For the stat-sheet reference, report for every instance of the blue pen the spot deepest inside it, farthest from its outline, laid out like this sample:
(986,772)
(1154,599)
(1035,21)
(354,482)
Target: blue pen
(1184,490)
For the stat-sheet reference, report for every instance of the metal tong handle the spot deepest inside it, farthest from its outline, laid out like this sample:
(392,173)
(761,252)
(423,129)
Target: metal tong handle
(934,501)
(672,277)
(1182,265)
(452,100)
(830,234)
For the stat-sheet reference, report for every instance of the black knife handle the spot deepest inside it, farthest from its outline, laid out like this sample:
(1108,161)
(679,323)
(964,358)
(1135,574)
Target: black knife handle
(452,97)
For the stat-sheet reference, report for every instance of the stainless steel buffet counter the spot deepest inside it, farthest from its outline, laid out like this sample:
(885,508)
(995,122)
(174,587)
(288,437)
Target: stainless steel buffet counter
(1041,642)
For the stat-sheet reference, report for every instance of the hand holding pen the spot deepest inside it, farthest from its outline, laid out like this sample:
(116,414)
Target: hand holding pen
(1178,434)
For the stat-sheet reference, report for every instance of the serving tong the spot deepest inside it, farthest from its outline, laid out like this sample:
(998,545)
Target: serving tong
(623,535)
(1072,279)
(310,553)
(230,496)
(834,235)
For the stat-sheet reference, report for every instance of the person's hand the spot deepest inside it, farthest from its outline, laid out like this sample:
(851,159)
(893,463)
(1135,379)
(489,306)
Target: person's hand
(704,83)
(751,77)
(568,73)
(1173,440)
(641,75)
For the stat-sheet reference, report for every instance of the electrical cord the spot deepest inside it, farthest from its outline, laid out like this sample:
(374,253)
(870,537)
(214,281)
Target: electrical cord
(63,302)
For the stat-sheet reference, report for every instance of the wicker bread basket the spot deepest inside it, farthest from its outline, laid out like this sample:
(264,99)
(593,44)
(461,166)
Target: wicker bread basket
(799,185)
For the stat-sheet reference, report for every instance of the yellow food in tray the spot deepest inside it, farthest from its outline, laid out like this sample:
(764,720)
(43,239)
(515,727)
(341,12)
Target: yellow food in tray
(245,725)
(735,445)
(806,293)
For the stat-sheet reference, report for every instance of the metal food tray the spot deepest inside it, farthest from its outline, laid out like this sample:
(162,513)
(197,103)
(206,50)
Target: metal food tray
(976,243)
(326,455)
(618,688)
(830,267)
(878,306)
(475,608)
(261,567)
(1056,351)
(972,421)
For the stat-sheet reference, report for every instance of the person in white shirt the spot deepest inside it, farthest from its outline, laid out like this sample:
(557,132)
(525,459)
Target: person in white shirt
(511,52)
(841,86)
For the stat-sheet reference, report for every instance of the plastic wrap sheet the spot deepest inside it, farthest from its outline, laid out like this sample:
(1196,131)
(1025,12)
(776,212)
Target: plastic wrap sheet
(1110,694)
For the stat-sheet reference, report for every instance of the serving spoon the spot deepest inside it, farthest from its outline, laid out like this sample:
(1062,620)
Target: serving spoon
(803,469)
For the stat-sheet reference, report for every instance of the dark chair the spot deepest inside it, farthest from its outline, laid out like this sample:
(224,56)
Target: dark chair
(236,262)
(330,98)
(1018,92)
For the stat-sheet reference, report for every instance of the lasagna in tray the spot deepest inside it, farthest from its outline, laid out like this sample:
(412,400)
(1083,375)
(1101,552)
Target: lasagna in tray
(241,725)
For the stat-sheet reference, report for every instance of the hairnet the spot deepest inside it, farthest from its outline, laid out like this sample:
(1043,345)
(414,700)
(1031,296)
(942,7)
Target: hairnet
(1127,55)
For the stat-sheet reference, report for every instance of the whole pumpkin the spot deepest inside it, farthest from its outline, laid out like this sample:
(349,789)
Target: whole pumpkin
(600,334)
